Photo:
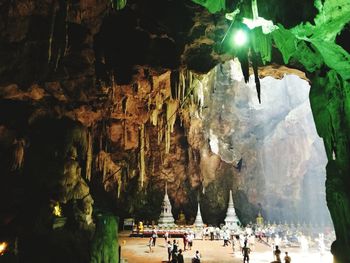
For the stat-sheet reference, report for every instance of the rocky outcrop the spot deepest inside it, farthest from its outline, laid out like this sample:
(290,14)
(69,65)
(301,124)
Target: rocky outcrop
(129,79)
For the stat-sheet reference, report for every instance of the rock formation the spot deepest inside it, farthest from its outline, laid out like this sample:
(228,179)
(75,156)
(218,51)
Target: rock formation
(126,87)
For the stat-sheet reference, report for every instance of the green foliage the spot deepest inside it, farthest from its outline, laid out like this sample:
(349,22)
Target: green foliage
(333,16)
(335,57)
(262,44)
(308,56)
(105,242)
(213,6)
(285,41)
(118,4)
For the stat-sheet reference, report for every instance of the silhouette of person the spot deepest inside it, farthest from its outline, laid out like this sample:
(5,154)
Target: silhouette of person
(245,252)
(287,259)
(277,254)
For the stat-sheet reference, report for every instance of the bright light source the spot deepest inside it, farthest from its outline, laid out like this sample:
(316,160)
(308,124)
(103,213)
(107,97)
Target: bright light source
(240,38)
(57,211)
(3,247)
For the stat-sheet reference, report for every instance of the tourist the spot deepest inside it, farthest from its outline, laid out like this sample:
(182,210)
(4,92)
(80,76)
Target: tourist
(287,258)
(196,258)
(245,253)
(170,248)
(154,236)
(174,250)
(190,238)
(217,233)
(226,238)
(233,245)
(166,236)
(150,243)
(206,233)
(185,240)
(211,230)
(251,241)
(277,254)
(180,257)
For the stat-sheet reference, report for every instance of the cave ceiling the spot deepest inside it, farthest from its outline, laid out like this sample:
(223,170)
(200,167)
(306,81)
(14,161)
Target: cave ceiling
(55,48)
(134,72)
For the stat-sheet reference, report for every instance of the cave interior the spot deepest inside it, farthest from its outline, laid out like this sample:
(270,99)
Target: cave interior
(103,102)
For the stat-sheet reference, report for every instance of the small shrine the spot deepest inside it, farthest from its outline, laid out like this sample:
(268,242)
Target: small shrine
(166,217)
(260,220)
(181,221)
(231,221)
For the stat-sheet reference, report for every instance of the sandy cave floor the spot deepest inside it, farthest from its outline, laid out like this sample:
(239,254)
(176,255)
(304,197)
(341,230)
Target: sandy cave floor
(136,250)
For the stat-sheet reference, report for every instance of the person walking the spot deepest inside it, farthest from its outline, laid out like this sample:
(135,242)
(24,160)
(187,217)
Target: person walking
(154,236)
(245,252)
(166,236)
(150,244)
(185,240)
(190,238)
(170,249)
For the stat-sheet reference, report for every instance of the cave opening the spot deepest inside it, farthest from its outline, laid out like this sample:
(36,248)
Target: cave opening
(282,159)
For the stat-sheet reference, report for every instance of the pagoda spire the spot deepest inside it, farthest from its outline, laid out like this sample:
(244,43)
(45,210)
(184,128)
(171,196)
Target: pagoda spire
(231,220)
(166,217)
(199,222)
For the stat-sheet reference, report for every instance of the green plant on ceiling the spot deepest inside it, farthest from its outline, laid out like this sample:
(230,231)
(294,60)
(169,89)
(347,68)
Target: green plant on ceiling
(118,4)
(311,45)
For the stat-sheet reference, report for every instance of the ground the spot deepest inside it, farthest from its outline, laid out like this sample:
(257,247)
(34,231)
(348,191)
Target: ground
(136,250)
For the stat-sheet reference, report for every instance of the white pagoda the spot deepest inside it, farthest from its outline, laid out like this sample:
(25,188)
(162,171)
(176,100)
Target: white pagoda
(198,222)
(231,221)
(166,217)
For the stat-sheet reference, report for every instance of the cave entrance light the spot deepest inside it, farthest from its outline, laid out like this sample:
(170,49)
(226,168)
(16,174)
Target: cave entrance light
(240,38)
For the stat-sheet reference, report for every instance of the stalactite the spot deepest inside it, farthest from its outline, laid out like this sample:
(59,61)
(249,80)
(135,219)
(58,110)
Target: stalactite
(154,117)
(160,131)
(167,138)
(66,30)
(256,74)
(52,29)
(18,155)
(58,59)
(142,155)
(147,140)
(89,156)
(172,106)
(109,170)
(119,181)
(101,163)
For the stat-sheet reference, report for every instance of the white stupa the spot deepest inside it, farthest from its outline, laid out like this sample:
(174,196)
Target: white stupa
(166,217)
(231,221)
(198,222)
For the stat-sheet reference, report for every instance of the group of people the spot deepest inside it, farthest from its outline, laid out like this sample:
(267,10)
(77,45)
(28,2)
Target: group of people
(244,238)
(277,254)
(175,255)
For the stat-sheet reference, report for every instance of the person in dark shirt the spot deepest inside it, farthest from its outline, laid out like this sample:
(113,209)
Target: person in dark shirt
(277,254)
(245,252)
(180,257)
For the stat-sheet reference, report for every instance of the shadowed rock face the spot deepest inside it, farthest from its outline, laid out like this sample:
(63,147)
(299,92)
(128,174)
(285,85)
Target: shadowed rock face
(123,74)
